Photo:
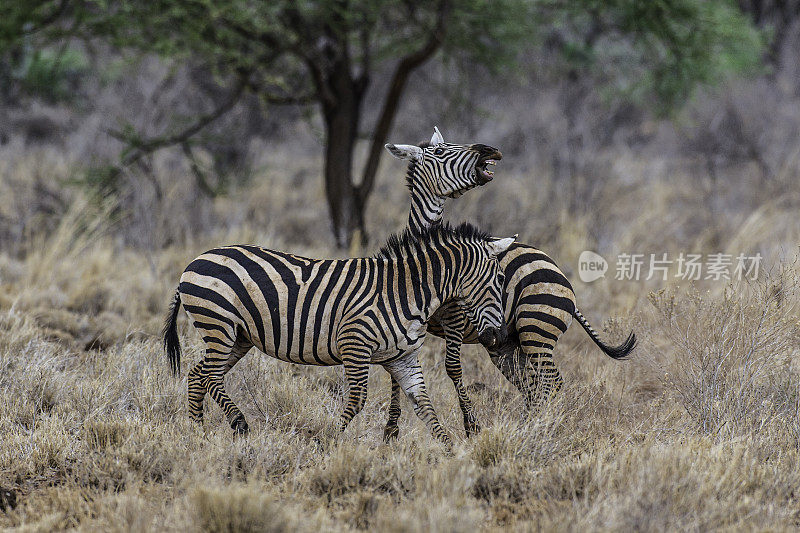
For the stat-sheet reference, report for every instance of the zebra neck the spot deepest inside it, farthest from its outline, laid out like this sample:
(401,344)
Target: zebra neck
(426,209)
(443,286)
(434,288)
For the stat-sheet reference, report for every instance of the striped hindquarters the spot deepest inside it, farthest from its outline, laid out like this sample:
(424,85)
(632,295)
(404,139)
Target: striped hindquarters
(539,299)
(285,305)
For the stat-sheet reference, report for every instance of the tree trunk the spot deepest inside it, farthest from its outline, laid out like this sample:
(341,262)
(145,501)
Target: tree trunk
(341,129)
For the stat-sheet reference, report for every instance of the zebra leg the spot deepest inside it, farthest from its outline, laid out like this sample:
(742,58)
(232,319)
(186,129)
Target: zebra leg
(511,362)
(453,324)
(356,371)
(550,380)
(540,378)
(452,364)
(408,374)
(197,391)
(391,431)
(215,366)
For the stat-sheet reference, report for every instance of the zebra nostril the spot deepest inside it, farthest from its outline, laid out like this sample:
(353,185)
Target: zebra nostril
(489,337)
(503,334)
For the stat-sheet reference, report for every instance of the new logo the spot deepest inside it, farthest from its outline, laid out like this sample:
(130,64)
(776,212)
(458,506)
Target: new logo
(591,266)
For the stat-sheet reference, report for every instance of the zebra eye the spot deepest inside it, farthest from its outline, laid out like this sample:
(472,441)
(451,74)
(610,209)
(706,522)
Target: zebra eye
(501,277)
(438,151)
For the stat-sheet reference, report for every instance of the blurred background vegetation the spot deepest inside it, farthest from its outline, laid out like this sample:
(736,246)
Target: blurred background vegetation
(130,94)
(135,135)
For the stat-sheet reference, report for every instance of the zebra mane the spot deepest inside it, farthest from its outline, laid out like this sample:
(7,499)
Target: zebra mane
(412,167)
(409,242)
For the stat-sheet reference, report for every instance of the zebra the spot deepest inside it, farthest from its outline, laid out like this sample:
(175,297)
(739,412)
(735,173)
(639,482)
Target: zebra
(353,312)
(538,302)
(439,170)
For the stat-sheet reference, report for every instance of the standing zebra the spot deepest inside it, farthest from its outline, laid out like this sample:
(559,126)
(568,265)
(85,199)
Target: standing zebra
(352,312)
(538,300)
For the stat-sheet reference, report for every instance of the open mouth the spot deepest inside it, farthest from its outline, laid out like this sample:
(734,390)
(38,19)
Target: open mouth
(483,174)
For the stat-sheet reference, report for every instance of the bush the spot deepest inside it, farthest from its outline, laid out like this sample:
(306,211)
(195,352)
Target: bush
(53,75)
(239,508)
(731,368)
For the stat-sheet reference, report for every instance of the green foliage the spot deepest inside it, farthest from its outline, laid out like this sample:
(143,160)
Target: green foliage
(28,58)
(53,75)
(100,180)
(657,52)
(493,33)
(327,52)
(22,18)
(275,42)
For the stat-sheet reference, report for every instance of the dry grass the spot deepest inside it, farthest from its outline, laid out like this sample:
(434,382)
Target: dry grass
(697,431)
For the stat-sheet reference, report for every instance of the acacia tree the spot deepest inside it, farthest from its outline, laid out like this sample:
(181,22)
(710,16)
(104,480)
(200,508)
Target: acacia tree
(328,52)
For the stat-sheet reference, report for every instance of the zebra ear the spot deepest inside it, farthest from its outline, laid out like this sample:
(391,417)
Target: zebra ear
(405,151)
(499,246)
(437,137)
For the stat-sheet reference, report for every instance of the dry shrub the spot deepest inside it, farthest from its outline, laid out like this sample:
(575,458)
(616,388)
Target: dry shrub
(351,467)
(128,512)
(288,397)
(58,509)
(424,515)
(265,455)
(363,509)
(508,482)
(695,486)
(731,355)
(37,453)
(570,479)
(240,508)
(491,447)
(95,433)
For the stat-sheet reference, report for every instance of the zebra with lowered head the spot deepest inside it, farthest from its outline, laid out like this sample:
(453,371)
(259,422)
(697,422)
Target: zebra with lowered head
(538,300)
(353,312)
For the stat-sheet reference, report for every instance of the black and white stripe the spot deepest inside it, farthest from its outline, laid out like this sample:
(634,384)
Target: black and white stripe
(438,170)
(538,302)
(354,312)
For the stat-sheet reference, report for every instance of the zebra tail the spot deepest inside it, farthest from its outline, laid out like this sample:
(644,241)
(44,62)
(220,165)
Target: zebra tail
(171,342)
(614,352)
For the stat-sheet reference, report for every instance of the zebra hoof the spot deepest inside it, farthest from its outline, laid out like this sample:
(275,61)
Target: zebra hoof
(240,426)
(471,428)
(447,443)
(390,433)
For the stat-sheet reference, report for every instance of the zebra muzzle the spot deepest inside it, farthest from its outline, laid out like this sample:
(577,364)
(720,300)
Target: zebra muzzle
(488,156)
(492,337)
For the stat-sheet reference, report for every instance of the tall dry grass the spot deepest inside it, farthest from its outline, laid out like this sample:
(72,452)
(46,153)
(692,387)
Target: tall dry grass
(697,431)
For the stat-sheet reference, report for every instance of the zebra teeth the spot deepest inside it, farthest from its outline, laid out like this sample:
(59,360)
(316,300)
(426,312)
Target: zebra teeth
(491,162)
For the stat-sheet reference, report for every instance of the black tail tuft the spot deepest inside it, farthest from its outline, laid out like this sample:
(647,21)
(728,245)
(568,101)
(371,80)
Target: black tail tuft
(171,342)
(622,351)
(615,352)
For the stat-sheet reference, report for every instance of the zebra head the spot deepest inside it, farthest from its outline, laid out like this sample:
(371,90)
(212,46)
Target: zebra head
(446,170)
(480,288)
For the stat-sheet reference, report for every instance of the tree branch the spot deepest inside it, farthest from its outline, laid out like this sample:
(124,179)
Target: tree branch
(390,105)
(47,20)
(199,175)
(365,36)
(141,147)
(278,99)
(294,20)
(324,92)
